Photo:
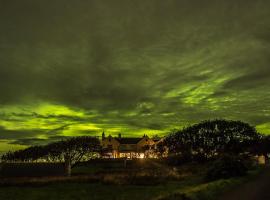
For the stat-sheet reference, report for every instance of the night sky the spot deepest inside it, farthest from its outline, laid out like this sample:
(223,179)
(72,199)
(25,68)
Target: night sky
(78,67)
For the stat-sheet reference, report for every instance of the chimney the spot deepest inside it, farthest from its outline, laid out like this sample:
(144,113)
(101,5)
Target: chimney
(103,135)
(110,138)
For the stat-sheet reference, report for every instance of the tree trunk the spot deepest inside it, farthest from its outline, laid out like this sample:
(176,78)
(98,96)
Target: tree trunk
(266,158)
(125,162)
(67,167)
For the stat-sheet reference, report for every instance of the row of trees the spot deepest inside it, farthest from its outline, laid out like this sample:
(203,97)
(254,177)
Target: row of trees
(70,152)
(209,139)
(205,140)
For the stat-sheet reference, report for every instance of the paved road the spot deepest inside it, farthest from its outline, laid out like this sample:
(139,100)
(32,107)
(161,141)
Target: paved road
(257,189)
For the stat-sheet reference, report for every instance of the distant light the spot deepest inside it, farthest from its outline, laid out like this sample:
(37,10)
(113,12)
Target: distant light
(141,155)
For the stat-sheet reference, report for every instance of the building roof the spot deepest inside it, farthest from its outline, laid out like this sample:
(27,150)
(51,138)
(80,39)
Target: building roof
(127,148)
(128,140)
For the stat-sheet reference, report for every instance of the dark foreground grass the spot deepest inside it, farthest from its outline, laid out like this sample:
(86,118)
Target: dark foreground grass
(211,190)
(82,186)
(93,191)
(192,187)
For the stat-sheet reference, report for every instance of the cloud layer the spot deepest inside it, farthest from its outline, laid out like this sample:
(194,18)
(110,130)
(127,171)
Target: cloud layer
(80,67)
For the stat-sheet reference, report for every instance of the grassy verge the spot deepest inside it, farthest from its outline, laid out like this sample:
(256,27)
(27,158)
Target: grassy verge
(210,190)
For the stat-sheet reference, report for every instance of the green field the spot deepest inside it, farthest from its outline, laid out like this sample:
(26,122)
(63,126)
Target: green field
(81,191)
(117,183)
(95,191)
(193,187)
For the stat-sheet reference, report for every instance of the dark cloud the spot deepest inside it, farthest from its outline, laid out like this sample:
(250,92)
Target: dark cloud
(15,134)
(38,141)
(149,65)
(29,141)
(250,81)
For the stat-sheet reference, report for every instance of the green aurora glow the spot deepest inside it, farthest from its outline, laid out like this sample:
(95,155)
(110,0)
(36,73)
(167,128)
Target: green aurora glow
(70,68)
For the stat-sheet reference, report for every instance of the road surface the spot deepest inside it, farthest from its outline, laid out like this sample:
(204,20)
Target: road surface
(256,189)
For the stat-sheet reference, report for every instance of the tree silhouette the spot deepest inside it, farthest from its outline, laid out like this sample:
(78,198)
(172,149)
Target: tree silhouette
(211,138)
(70,152)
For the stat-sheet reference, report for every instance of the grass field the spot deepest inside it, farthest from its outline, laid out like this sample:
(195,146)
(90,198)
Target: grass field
(193,187)
(92,191)
(98,191)
(110,187)
(79,191)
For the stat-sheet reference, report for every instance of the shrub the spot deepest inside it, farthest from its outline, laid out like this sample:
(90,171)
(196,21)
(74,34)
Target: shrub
(32,169)
(200,158)
(111,179)
(226,167)
(179,160)
(146,180)
(175,196)
(249,161)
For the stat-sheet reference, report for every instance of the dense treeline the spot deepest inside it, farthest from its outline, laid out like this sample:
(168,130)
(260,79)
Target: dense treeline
(204,141)
(212,138)
(70,152)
